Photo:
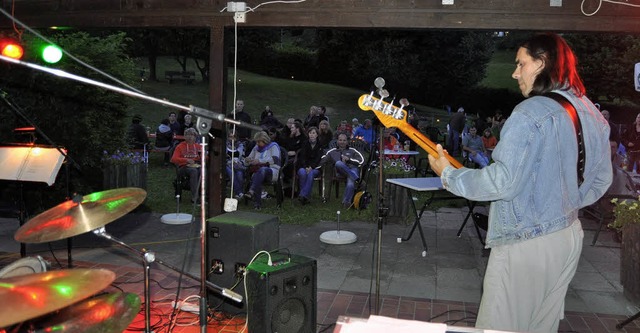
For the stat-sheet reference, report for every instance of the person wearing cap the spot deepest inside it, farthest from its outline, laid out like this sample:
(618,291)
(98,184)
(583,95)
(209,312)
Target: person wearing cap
(263,163)
(137,134)
(355,123)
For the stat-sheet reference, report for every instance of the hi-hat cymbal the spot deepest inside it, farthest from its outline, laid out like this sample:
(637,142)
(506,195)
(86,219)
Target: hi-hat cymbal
(102,314)
(30,296)
(70,218)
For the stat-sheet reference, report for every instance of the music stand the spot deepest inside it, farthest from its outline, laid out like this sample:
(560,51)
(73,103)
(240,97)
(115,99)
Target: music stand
(29,163)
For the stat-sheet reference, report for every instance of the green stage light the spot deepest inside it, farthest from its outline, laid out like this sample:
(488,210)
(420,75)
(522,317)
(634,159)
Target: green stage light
(51,54)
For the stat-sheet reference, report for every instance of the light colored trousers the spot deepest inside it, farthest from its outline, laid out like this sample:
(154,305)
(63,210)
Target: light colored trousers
(526,283)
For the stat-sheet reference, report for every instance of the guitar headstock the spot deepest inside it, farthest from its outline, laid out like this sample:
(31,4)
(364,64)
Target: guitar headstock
(388,114)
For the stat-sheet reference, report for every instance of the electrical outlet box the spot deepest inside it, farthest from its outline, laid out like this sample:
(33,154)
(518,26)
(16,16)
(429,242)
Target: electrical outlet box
(447,2)
(240,17)
(555,3)
(240,269)
(217,266)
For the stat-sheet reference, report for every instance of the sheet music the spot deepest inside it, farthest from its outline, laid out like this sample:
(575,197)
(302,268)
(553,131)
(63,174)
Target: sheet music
(34,164)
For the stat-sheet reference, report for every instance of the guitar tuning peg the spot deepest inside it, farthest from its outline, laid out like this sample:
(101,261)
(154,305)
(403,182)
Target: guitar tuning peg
(383,93)
(379,82)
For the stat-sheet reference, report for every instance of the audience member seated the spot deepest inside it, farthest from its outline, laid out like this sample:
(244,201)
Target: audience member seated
(235,168)
(136,134)
(474,147)
(365,132)
(307,164)
(186,157)
(322,113)
(268,120)
(355,123)
(164,139)
(325,135)
(295,139)
(313,118)
(345,128)
(286,131)
(263,163)
(390,142)
(489,141)
(187,122)
(347,162)
(176,128)
(292,144)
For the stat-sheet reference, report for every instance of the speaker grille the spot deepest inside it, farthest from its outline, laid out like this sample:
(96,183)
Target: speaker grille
(289,316)
(282,298)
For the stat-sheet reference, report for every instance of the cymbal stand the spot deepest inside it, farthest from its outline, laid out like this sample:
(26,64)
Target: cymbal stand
(147,258)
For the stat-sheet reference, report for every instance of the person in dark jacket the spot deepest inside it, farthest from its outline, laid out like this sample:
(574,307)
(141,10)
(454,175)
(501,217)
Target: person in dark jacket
(307,164)
(137,134)
(347,162)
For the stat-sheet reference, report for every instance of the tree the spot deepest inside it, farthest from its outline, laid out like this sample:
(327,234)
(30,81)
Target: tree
(433,66)
(84,119)
(606,63)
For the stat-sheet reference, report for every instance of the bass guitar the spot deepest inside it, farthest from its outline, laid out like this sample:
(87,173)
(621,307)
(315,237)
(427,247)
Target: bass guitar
(393,116)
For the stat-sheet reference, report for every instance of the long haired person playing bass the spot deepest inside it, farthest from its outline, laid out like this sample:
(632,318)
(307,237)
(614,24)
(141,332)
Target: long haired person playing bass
(546,167)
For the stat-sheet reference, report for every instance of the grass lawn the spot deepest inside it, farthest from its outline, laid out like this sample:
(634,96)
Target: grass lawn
(287,98)
(499,71)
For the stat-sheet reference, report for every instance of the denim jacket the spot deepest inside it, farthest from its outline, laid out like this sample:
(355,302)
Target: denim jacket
(533,184)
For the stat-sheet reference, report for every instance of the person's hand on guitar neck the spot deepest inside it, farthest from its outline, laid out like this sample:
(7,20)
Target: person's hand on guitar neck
(440,163)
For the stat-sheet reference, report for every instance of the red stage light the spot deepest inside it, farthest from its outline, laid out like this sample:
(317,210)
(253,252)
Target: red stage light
(11,49)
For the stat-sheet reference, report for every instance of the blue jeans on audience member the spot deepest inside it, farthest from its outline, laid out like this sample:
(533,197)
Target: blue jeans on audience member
(352,174)
(306,181)
(256,183)
(238,179)
(480,158)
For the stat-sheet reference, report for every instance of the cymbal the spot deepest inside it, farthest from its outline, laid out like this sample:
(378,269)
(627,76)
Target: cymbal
(101,314)
(70,218)
(33,295)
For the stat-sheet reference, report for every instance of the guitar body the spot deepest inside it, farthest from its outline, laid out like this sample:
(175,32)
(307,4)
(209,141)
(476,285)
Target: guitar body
(393,116)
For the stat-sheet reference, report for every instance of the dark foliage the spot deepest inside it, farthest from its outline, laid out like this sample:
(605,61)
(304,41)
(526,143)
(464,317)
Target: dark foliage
(83,119)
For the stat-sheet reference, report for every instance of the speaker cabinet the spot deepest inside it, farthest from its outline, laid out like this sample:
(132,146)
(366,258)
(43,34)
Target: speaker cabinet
(282,297)
(233,239)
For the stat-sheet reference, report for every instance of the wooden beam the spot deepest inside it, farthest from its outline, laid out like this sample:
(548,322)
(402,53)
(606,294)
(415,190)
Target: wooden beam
(395,14)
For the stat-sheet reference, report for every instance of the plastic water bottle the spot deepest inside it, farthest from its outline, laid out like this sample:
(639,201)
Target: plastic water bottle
(625,162)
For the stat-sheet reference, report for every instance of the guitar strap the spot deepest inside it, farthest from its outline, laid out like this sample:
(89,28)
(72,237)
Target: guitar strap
(573,114)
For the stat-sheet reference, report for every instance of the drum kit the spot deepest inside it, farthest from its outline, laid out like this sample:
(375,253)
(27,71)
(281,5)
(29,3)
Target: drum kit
(37,300)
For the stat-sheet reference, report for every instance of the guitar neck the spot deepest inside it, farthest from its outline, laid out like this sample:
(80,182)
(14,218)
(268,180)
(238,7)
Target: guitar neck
(425,143)
(392,116)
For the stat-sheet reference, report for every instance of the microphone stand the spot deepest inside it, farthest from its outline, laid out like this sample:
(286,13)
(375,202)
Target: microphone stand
(203,125)
(382,213)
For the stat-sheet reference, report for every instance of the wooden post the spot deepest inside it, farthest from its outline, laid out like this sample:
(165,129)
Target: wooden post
(630,261)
